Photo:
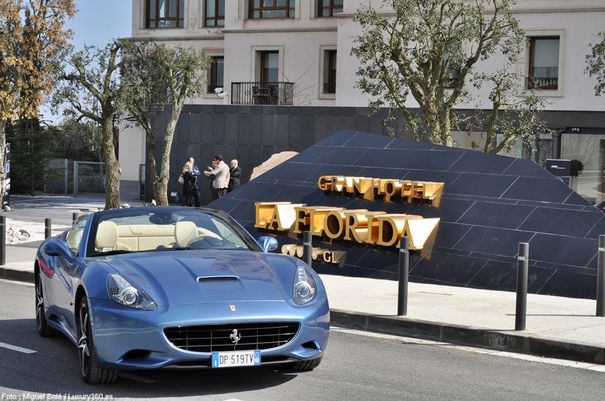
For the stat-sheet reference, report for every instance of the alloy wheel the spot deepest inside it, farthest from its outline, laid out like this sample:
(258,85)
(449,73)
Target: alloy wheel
(83,343)
(39,304)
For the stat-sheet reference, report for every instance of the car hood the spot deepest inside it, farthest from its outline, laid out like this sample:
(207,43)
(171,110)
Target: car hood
(200,276)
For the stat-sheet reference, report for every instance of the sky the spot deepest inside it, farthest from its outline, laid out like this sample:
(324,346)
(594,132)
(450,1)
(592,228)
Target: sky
(98,21)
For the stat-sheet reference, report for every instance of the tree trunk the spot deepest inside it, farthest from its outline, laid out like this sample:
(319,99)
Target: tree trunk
(446,128)
(2,161)
(112,166)
(156,187)
(162,183)
(438,124)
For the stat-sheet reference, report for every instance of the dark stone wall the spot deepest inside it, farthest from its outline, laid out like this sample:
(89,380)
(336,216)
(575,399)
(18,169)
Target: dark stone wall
(490,204)
(252,134)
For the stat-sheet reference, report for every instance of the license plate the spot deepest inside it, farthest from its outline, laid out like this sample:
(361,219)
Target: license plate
(228,359)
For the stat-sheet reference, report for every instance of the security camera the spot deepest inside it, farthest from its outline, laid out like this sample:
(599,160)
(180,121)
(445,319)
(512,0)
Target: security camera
(221,95)
(219,91)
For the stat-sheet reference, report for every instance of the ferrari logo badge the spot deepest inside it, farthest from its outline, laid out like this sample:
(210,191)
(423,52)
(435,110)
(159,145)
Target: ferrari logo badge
(235,336)
(232,308)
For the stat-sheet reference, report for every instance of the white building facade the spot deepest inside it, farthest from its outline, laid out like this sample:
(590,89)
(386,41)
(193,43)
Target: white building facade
(298,52)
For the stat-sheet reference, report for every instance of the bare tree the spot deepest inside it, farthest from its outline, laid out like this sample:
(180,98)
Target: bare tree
(157,78)
(511,118)
(91,89)
(430,50)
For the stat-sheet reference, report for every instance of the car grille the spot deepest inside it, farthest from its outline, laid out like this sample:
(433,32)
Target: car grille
(209,338)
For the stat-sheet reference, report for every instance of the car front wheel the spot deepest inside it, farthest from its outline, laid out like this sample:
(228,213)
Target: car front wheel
(41,323)
(91,371)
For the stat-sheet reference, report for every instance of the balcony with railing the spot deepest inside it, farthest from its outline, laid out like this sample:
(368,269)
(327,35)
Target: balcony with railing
(267,93)
(549,83)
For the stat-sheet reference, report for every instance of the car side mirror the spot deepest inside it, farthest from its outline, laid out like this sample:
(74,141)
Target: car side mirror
(268,243)
(54,248)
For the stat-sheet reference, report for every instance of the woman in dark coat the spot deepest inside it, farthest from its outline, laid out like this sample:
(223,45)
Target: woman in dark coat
(189,185)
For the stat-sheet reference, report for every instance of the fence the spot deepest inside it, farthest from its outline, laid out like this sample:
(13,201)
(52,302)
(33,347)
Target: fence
(74,176)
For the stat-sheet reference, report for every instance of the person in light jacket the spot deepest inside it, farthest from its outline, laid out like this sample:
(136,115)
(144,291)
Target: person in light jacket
(220,177)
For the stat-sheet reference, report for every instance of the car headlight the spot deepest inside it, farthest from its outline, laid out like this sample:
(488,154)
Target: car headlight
(124,293)
(304,289)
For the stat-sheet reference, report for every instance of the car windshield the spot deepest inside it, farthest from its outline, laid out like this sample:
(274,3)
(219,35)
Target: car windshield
(158,229)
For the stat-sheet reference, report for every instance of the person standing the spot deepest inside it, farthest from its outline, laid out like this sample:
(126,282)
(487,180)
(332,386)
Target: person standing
(234,175)
(211,167)
(220,177)
(195,194)
(188,182)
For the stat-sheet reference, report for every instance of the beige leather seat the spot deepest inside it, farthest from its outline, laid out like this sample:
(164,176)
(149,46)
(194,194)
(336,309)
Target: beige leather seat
(107,236)
(184,233)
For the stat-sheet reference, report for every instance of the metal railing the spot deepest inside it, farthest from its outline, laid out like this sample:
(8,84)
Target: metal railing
(275,93)
(542,83)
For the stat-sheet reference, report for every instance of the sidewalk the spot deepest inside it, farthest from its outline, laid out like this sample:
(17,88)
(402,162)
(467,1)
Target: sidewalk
(556,326)
(19,263)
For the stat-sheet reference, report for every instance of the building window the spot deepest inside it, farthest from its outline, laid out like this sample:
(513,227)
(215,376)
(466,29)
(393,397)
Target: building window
(164,13)
(214,14)
(329,72)
(543,72)
(271,9)
(328,8)
(269,66)
(589,148)
(216,73)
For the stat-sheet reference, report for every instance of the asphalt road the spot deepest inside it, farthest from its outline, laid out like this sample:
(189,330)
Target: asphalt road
(356,367)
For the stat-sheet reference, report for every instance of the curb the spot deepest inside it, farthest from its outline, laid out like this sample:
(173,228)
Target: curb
(454,334)
(462,335)
(6,273)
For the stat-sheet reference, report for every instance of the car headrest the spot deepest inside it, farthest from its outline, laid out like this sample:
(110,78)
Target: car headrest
(184,232)
(107,236)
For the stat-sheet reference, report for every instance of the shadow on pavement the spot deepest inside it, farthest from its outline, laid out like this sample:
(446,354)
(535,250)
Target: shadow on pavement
(54,369)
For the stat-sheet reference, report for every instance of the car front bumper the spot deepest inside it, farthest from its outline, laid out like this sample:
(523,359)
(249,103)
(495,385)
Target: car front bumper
(132,339)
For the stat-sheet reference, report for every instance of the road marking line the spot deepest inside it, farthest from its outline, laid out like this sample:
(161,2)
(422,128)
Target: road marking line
(16,282)
(503,354)
(137,378)
(17,348)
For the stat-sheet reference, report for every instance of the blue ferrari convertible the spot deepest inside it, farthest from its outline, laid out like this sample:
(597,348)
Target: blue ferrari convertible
(145,288)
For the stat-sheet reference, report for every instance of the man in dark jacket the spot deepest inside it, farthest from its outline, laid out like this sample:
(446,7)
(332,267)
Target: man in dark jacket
(234,175)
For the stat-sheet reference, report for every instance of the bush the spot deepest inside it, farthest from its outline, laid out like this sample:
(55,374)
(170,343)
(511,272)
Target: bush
(576,167)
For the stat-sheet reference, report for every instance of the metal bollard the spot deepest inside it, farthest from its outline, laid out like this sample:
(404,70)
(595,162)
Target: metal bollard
(308,247)
(601,277)
(74,217)
(404,273)
(2,240)
(47,228)
(522,272)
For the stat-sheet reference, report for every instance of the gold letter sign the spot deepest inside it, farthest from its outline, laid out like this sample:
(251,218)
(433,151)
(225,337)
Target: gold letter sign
(390,189)
(359,225)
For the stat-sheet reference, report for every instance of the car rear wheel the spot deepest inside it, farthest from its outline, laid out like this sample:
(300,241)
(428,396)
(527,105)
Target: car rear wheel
(303,366)
(91,371)
(41,323)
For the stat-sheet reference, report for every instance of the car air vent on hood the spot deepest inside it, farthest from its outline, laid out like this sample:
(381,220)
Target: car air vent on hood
(224,277)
